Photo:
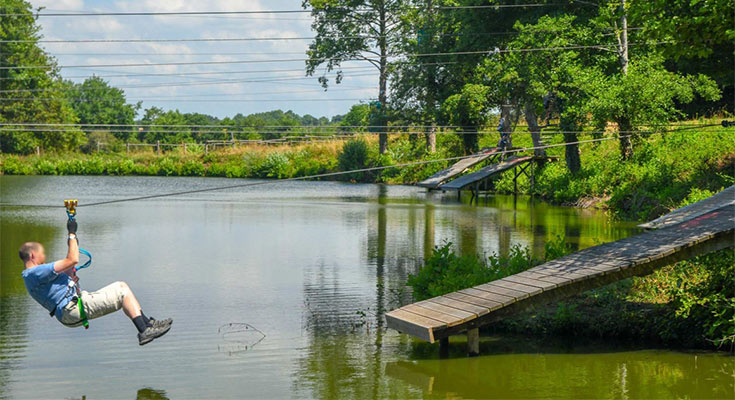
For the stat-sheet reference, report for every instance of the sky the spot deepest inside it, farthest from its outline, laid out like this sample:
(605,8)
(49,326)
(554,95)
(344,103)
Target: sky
(204,93)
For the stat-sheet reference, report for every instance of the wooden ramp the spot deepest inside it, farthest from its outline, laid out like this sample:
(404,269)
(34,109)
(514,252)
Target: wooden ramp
(480,175)
(593,267)
(721,199)
(458,168)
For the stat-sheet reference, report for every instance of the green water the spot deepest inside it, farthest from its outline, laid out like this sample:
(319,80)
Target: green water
(311,265)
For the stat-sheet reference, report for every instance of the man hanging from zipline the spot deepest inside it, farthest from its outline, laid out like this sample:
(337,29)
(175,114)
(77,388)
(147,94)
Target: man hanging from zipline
(55,286)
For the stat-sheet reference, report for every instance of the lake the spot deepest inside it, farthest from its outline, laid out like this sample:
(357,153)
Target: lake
(277,291)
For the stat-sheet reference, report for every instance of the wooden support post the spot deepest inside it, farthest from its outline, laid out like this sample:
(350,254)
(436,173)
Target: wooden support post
(459,195)
(184,144)
(206,148)
(158,147)
(444,347)
(127,148)
(98,147)
(473,342)
(38,150)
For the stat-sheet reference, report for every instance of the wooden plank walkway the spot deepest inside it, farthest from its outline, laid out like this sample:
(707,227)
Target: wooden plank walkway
(458,168)
(484,173)
(593,267)
(720,199)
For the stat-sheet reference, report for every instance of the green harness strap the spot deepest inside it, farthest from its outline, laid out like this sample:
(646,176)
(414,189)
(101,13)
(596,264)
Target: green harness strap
(82,313)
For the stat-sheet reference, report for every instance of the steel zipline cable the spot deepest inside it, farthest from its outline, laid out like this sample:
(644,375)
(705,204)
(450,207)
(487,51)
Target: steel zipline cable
(310,177)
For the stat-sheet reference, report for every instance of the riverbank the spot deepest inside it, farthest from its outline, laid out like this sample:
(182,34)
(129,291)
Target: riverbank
(666,170)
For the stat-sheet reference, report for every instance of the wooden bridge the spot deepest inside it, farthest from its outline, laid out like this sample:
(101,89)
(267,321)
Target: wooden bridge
(700,228)
(458,168)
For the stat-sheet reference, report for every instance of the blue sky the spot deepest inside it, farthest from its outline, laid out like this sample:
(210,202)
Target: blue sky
(202,93)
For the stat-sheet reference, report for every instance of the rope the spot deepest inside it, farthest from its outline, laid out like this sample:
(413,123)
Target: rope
(309,177)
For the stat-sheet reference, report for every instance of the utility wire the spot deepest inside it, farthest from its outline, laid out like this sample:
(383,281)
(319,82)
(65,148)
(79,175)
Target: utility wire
(494,51)
(123,74)
(309,177)
(243,12)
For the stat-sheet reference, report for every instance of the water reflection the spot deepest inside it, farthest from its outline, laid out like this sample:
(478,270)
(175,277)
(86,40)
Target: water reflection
(579,372)
(151,394)
(313,264)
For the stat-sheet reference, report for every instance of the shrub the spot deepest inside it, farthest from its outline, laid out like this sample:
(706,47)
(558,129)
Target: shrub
(14,165)
(444,271)
(354,155)
(275,165)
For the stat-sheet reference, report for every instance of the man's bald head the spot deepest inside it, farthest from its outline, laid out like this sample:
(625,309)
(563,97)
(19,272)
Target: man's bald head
(31,251)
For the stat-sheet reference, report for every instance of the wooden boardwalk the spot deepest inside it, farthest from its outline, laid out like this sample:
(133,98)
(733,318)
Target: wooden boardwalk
(458,168)
(721,199)
(482,174)
(466,310)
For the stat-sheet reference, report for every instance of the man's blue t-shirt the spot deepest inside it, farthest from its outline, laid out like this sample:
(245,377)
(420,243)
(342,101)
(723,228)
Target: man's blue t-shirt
(48,287)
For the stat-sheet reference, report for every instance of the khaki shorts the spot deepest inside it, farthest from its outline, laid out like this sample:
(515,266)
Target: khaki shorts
(96,304)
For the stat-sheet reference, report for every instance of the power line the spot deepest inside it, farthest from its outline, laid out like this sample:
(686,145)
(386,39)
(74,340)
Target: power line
(248,39)
(494,51)
(240,100)
(121,74)
(243,12)
(675,124)
(179,84)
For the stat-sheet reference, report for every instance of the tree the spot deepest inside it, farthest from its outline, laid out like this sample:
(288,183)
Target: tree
(523,78)
(355,30)
(419,83)
(468,110)
(647,95)
(31,95)
(96,102)
(357,119)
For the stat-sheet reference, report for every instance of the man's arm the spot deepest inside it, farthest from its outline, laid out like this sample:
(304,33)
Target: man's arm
(72,256)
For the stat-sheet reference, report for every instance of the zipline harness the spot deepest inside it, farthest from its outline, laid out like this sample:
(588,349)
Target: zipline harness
(71,212)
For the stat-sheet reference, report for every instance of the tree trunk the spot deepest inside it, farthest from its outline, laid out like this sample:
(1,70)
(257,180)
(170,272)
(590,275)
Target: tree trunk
(624,39)
(469,140)
(532,121)
(625,131)
(430,106)
(571,152)
(506,126)
(382,95)
(431,138)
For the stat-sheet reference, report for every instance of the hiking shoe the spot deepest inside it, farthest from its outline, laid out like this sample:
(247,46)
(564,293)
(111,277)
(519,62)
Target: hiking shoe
(161,323)
(152,332)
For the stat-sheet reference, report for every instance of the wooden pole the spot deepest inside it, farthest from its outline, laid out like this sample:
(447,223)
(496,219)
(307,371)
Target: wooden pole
(206,148)
(473,342)
(444,347)
(127,148)
(38,150)
(98,147)
(158,147)
(184,144)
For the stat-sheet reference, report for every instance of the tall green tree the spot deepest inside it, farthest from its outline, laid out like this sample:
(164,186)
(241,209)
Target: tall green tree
(695,37)
(355,30)
(469,110)
(30,95)
(96,102)
(567,74)
(419,82)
